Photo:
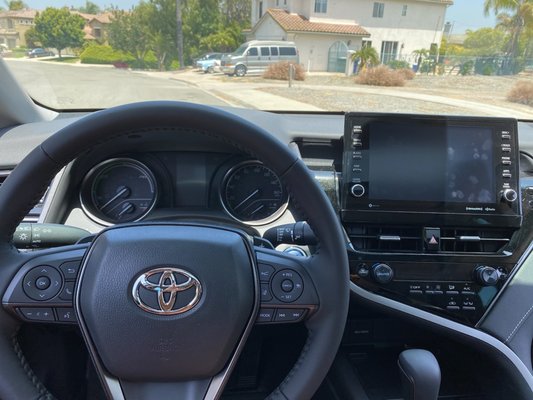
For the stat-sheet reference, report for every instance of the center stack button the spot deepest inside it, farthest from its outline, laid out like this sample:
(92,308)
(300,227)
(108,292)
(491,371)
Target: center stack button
(287,285)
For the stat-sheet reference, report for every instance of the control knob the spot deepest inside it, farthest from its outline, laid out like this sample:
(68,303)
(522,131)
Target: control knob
(358,190)
(382,273)
(509,195)
(487,276)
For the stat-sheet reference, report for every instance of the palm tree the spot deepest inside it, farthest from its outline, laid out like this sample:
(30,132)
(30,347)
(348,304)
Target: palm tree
(179,34)
(420,54)
(366,56)
(519,19)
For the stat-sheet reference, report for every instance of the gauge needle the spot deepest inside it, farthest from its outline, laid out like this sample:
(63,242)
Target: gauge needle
(126,209)
(257,209)
(119,194)
(247,198)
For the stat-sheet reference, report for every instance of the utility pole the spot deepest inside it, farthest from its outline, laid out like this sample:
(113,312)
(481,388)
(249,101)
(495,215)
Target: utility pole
(179,34)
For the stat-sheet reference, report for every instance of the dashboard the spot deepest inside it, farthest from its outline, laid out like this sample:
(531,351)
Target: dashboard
(436,210)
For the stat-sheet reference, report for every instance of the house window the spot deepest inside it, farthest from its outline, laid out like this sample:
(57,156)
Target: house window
(379,8)
(9,24)
(389,51)
(366,43)
(97,33)
(321,6)
(277,3)
(260,9)
(284,2)
(404,10)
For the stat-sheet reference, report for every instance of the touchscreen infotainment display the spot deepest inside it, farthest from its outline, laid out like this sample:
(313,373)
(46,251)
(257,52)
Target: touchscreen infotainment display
(416,162)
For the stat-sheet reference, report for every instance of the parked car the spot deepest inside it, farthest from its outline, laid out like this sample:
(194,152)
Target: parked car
(255,56)
(40,52)
(209,62)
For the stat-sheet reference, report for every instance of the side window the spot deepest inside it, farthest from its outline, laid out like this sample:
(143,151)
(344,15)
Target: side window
(274,51)
(287,51)
(252,51)
(265,51)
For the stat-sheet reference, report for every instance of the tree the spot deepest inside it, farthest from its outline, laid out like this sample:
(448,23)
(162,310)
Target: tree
(59,29)
(90,8)
(366,56)
(520,17)
(15,5)
(484,42)
(32,38)
(130,32)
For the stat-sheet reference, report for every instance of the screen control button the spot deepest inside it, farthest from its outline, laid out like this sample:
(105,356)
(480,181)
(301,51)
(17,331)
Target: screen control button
(382,273)
(357,190)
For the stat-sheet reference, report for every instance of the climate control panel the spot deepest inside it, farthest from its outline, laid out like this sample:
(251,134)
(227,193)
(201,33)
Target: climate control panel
(461,291)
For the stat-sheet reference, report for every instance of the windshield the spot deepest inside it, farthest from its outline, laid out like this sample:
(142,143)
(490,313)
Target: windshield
(462,57)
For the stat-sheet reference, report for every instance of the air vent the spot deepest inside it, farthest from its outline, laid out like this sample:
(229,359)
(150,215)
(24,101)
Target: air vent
(489,241)
(396,239)
(409,239)
(35,212)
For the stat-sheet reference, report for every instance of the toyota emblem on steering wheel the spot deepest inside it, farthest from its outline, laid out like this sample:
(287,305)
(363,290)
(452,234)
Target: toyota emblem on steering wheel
(166,284)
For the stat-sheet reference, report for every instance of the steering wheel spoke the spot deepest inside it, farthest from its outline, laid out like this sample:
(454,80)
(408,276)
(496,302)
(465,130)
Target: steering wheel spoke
(287,291)
(43,287)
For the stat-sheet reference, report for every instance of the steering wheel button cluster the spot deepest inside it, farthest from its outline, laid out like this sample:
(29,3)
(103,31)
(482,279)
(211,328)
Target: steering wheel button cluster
(66,315)
(287,285)
(42,283)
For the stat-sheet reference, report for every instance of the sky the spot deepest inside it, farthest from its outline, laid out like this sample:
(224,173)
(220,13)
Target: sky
(464,14)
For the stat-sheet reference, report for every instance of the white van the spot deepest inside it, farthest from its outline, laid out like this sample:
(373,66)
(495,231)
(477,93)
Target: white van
(255,56)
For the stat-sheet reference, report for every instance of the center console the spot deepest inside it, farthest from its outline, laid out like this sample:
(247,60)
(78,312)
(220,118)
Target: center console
(430,205)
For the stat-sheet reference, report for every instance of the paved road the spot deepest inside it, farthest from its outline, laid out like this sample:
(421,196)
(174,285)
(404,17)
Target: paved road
(64,86)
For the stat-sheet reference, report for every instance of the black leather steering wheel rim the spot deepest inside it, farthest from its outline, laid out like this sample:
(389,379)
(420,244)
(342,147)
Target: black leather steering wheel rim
(330,264)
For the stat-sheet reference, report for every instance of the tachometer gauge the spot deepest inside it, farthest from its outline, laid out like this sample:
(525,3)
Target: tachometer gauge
(253,194)
(118,190)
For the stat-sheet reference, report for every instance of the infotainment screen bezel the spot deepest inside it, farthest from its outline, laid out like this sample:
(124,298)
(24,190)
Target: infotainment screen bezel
(356,205)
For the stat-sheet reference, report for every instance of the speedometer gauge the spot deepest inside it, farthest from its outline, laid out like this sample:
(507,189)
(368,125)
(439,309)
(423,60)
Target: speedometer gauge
(118,190)
(253,194)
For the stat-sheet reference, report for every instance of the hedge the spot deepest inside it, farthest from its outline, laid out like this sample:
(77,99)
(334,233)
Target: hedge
(99,54)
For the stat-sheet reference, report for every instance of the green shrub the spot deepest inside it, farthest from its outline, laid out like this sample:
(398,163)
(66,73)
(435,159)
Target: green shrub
(174,65)
(98,54)
(149,62)
(467,68)
(381,76)
(522,92)
(398,64)
(280,71)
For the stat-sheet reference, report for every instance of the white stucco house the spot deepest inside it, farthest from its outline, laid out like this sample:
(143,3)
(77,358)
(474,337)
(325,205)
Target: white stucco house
(324,30)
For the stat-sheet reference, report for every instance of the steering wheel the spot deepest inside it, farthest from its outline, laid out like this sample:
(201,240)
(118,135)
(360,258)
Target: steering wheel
(166,308)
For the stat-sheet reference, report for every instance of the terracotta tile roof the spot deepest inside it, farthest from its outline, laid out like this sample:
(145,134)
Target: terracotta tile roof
(19,14)
(298,23)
